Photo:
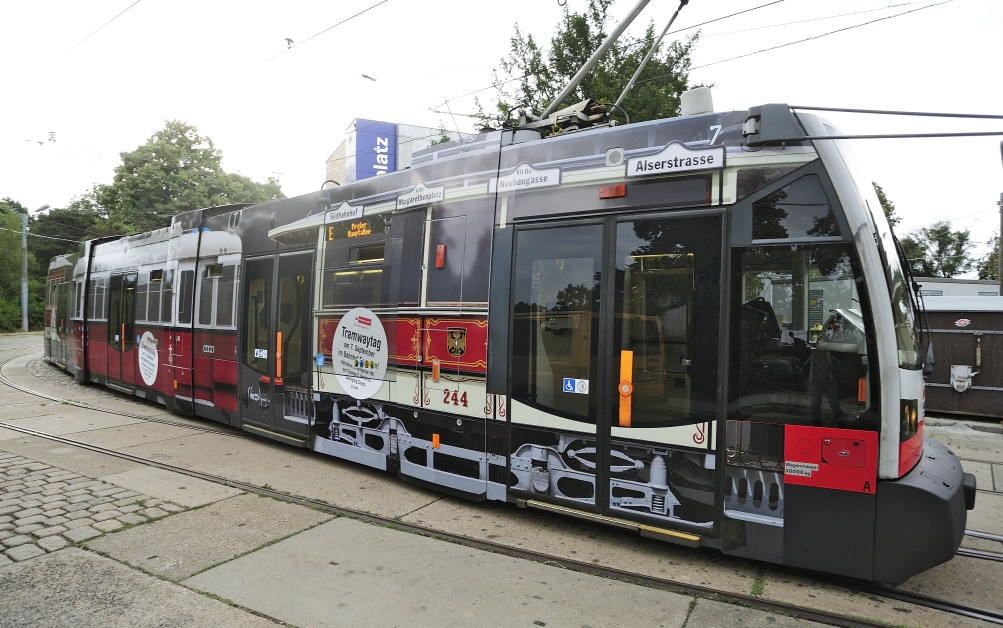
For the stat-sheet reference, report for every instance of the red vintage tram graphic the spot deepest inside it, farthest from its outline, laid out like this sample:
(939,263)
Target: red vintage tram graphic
(730,384)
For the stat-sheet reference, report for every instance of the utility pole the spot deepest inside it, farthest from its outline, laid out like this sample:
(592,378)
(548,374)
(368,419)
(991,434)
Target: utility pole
(24,271)
(999,243)
(24,267)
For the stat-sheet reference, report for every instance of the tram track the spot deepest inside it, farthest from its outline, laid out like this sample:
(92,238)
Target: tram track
(655,582)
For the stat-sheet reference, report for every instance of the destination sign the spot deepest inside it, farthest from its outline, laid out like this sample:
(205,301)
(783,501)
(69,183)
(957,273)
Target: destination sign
(421,195)
(676,157)
(370,225)
(525,177)
(342,212)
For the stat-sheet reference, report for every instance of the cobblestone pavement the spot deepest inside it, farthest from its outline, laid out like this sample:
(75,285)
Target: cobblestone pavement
(44,508)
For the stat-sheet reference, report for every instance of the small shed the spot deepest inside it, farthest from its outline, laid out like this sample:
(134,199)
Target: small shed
(967,337)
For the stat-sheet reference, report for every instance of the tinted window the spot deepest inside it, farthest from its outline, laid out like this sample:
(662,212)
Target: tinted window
(206,286)
(168,294)
(409,227)
(666,325)
(555,335)
(257,305)
(464,229)
(224,297)
(799,337)
(798,210)
(185,296)
(144,279)
(752,179)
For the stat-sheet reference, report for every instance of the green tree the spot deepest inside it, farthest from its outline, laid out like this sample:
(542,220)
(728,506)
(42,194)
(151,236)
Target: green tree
(936,251)
(887,206)
(176,170)
(10,272)
(989,266)
(530,78)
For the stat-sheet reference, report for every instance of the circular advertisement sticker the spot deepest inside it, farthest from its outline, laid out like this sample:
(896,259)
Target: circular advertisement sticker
(359,353)
(148,363)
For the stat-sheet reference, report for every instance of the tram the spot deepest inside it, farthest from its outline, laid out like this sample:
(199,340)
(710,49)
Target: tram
(695,328)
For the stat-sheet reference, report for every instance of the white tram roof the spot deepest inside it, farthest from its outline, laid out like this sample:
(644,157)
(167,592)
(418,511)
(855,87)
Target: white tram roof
(963,304)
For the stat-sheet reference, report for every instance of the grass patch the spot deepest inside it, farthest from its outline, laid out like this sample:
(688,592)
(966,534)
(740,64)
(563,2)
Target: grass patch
(757,584)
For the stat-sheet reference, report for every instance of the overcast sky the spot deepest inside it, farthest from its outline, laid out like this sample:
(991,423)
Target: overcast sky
(225,68)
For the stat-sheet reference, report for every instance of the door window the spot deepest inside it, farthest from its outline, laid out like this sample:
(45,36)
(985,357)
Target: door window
(666,323)
(257,306)
(115,326)
(556,320)
(294,314)
(129,311)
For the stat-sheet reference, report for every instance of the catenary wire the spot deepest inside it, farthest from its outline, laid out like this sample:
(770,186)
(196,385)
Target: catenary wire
(496,84)
(322,32)
(102,26)
(62,224)
(35,235)
(800,41)
(814,19)
(887,112)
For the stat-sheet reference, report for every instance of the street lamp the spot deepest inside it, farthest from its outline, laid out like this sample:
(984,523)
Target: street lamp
(24,266)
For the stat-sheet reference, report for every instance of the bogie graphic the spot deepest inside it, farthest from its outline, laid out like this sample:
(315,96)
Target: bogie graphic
(650,326)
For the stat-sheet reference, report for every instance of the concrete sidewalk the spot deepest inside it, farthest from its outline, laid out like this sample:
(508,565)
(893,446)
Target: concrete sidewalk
(98,554)
(198,553)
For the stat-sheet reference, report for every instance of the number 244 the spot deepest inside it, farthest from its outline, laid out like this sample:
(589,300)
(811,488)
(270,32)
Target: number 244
(455,397)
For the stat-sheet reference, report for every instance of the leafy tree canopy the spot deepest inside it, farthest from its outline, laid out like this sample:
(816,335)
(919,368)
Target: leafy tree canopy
(937,251)
(989,266)
(530,77)
(176,170)
(887,206)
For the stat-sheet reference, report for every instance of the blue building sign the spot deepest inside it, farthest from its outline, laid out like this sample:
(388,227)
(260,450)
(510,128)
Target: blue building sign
(375,149)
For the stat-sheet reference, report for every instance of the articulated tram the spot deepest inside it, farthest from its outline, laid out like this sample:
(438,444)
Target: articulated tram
(696,328)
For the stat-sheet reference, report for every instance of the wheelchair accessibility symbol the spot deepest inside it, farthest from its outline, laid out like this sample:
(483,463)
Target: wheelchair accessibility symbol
(576,386)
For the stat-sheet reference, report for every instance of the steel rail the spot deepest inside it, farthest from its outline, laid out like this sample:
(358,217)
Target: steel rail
(498,548)
(980,554)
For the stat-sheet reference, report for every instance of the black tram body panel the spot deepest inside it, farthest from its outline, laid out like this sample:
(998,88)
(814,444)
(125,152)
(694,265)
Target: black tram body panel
(655,325)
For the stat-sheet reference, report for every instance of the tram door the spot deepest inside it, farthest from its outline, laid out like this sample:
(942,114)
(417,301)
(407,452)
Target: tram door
(121,330)
(615,348)
(275,345)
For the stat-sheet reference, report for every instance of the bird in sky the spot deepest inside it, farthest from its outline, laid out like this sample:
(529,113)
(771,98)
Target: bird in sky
(368,77)
(289,43)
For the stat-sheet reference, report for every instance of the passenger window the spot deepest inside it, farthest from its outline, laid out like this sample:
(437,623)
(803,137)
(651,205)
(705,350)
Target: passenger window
(168,295)
(206,287)
(144,280)
(224,297)
(798,210)
(153,295)
(799,338)
(185,296)
(458,272)
(409,227)
(347,287)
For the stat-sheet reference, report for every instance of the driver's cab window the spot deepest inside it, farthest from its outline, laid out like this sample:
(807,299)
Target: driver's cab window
(799,336)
